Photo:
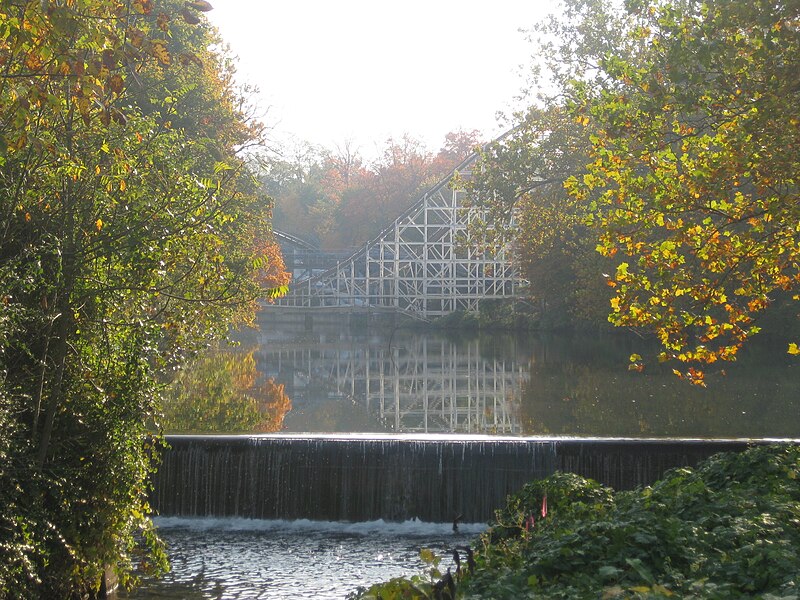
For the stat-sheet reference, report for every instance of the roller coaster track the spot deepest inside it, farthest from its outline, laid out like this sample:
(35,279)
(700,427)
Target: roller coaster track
(423,264)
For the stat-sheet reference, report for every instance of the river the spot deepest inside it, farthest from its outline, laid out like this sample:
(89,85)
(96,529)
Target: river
(350,374)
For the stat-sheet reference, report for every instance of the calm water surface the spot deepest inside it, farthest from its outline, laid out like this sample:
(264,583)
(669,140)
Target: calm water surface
(341,376)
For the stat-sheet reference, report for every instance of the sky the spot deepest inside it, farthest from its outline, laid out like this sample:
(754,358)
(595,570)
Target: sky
(359,71)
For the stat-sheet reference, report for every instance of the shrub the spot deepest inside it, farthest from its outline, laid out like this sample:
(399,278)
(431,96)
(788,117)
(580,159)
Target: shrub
(728,529)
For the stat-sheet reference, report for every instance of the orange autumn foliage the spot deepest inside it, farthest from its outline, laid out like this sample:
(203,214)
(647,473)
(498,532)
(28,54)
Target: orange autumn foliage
(273,404)
(273,275)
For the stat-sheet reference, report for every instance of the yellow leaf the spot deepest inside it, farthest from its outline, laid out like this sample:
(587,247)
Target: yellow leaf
(159,50)
(662,590)
(99,224)
(426,555)
(794,349)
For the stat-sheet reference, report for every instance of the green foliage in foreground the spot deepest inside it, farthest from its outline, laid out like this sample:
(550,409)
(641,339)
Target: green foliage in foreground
(130,239)
(728,529)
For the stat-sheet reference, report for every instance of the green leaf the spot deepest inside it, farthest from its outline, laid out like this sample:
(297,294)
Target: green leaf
(643,572)
(608,572)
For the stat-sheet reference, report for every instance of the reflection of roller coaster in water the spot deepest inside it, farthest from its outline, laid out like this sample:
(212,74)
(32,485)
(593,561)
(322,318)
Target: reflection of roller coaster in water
(410,383)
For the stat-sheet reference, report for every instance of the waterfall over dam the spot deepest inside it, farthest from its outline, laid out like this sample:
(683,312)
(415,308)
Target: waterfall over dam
(396,478)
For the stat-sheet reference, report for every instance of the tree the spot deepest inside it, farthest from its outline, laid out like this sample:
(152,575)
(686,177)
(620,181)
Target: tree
(273,276)
(127,225)
(333,197)
(668,141)
(457,146)
(520,176)
(693,171)
(520,180)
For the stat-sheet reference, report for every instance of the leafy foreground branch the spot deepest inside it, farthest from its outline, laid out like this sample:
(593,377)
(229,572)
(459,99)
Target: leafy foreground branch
(728,529)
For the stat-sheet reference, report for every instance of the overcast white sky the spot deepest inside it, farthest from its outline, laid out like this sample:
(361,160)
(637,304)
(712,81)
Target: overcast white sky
(364,70)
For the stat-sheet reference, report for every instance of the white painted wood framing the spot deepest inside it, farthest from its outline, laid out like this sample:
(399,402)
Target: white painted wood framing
(423,264)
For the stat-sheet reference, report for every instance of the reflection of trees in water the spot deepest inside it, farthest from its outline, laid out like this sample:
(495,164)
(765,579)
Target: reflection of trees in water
(221,392)
(276,404)
(575,393)
(342,378)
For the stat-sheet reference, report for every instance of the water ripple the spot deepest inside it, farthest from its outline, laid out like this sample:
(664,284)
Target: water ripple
(243,558)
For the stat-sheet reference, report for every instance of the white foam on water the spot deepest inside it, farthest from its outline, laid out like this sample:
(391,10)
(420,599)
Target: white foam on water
(274,560)
(412,528)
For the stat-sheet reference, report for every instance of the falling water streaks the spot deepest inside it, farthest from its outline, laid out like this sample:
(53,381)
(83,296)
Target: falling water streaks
(394,478)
